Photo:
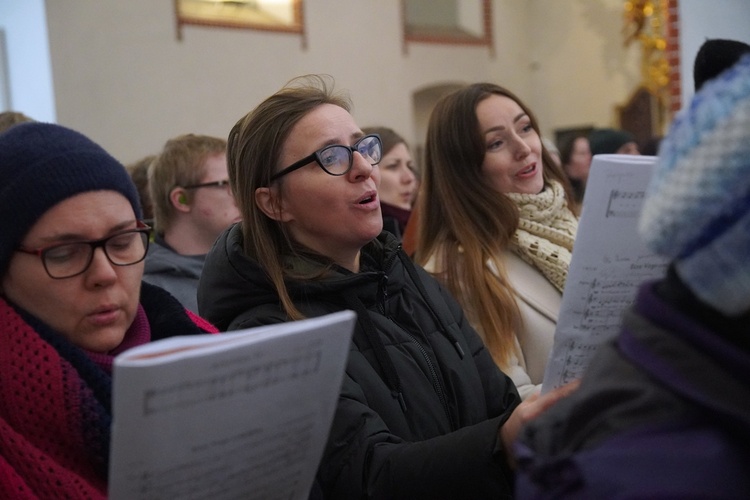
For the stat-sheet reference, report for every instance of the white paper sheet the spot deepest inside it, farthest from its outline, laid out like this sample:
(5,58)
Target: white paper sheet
(236,415)
(608,264)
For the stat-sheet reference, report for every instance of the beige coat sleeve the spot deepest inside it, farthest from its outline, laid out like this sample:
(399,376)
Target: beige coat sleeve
(539,304)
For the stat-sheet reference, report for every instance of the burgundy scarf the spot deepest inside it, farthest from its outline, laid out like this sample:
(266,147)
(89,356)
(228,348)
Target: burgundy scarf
(55,403)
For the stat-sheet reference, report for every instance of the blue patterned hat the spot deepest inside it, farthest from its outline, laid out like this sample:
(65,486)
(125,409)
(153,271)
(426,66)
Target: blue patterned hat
(697,210)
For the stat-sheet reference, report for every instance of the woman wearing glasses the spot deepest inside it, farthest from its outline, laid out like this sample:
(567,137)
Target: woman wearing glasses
(71,298)
(423,411)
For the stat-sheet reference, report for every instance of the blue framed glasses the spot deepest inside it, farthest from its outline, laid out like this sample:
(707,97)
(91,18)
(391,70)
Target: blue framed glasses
(338,159)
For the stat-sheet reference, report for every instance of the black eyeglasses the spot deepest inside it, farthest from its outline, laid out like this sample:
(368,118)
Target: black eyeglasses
(337,159)
(221,183)
(66,260)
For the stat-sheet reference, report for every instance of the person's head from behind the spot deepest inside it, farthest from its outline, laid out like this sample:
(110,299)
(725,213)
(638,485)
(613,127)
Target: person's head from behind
(72,246)
(715,56)
(610,141)
(575,156)
(697,209)
(10,118)
(189,186)
(305,176)
(398,179)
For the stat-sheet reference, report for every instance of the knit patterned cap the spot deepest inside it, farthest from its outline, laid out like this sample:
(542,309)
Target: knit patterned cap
(42,164)
(697,209)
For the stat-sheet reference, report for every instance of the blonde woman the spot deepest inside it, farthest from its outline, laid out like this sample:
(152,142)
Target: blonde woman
(495,224)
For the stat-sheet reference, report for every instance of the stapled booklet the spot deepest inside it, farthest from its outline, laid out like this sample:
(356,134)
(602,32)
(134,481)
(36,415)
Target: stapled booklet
(242,414)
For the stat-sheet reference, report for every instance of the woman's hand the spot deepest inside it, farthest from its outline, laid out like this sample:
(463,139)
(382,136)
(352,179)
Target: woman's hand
(527,411)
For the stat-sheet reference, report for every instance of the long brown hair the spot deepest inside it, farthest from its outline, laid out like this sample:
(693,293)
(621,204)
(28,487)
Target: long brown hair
(253,151)
(464,223)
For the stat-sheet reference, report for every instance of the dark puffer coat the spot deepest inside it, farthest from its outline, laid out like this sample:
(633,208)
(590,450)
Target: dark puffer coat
(421,402)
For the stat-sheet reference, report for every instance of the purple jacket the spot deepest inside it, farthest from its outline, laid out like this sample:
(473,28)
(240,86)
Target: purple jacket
(662,412)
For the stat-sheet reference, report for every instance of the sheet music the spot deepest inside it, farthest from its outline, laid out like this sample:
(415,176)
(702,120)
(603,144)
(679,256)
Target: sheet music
(608,264)
(236,415)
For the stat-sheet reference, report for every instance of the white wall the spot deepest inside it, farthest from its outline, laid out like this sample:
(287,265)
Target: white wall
(122,77)
(28,60)
(580,69)
(700,20)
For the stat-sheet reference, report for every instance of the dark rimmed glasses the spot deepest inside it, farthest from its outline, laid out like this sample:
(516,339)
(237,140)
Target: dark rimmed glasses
(65,260)
(338,159)
(221,183)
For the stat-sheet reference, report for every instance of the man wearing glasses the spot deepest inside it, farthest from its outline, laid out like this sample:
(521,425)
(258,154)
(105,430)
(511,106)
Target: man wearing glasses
(193,204)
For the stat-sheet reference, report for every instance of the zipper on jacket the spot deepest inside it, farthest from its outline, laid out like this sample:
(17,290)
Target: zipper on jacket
(383,294)
(383,282)
(437,386)
(436,383)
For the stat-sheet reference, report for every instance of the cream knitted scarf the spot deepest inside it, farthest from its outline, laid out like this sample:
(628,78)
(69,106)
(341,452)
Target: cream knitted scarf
(546,232)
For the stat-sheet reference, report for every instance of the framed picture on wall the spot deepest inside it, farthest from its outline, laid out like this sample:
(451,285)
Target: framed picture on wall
(269,15)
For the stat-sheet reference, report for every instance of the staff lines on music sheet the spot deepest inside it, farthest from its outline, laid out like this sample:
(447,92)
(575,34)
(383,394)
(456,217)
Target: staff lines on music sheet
(197,388)
(611,291)
(576,356)
(624,203)
(256,461)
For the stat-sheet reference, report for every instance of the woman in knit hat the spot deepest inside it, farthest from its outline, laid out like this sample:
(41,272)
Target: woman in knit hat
(71,299)
(496,225)
(664,409)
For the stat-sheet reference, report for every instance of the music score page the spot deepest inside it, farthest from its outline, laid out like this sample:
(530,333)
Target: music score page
(608,264)
(235,415)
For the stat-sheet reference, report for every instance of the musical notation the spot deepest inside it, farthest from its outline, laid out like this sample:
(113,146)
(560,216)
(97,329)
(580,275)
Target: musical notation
(256,460)
(600,301)
(609,262)
(195,389)
(243,414)
(624,203)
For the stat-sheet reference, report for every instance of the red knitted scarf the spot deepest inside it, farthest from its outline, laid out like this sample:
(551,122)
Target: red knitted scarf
(45,406)
(55,400)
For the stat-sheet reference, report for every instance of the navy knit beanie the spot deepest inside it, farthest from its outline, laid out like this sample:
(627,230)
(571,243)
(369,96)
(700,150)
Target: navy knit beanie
(42,164)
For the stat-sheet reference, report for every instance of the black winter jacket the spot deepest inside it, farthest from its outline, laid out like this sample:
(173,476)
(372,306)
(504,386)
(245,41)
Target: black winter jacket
(422,400)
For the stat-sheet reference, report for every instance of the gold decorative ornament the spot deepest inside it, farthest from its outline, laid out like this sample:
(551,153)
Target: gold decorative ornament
(646,22)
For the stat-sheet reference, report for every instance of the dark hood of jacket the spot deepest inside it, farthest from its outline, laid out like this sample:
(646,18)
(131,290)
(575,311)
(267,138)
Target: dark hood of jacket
(232,283)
